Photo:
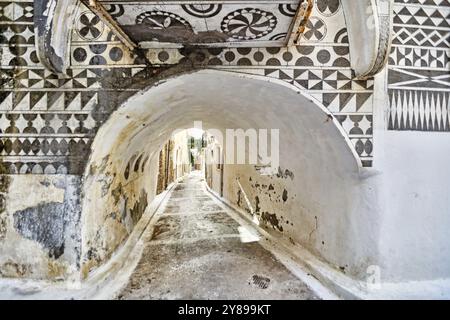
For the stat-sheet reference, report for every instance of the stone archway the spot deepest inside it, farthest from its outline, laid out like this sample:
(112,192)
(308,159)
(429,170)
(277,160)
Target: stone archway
(319,167)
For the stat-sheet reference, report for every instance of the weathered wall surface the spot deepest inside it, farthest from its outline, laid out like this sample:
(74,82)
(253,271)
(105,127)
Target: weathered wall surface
(410,172)
(40,226)
(214,165)
(412,137)
(415,226)
(181,154)
(152,115)
(163,164)
(118,189)
(419,64)
(48,124)
(117,192)
(331,211)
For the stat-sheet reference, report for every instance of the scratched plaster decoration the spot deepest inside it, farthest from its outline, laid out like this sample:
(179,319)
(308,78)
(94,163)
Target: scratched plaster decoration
(48,122)
(248,24)
(328,8)
(316,29)
(115,10)
(419,67)
(202,10)
(162,20)
(288,10)
(89,26)
(233,22)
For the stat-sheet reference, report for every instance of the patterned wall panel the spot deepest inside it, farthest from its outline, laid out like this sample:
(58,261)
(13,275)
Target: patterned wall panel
(247,22)
(48,122)
(419,71)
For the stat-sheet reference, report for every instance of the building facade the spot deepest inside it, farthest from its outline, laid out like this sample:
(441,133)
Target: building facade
(359,90)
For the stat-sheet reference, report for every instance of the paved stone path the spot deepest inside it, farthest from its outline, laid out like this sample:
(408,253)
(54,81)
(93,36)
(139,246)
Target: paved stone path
(198,251)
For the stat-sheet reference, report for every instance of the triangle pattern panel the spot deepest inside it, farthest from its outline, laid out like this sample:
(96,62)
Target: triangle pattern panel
(421,16)
(419,66)
(419,110)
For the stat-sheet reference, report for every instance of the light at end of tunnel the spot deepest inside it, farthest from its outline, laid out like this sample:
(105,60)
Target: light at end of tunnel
(196,133)
(247,235)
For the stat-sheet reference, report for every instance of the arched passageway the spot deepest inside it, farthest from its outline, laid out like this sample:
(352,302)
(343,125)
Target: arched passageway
(317,198)
(197,248)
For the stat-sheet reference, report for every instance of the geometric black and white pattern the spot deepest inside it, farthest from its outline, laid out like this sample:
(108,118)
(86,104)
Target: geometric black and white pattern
(48,122)
(420,110)
(419,66)
(194,22)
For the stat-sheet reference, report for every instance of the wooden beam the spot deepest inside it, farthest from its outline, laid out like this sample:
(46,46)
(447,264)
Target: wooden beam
(298,25)
(106,18)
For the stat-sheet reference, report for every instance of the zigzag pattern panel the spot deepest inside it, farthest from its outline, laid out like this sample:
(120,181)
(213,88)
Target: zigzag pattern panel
(419,66)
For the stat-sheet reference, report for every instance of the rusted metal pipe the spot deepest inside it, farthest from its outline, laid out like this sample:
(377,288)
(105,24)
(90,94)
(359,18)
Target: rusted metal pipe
(299,22)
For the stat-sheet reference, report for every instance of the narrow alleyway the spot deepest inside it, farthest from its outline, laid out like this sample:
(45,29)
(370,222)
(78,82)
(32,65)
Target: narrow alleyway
(196,250)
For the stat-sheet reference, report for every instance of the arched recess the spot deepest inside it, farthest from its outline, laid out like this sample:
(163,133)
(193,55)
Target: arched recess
(328,199)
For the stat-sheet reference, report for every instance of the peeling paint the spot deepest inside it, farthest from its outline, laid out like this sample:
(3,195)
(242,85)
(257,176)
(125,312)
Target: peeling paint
(257,207)
(95,169)
(285,195)
(45,183)
(182,35)
(12,269)
(272,220)
(139,207)
(285,174)
(239,199)
(117,193)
